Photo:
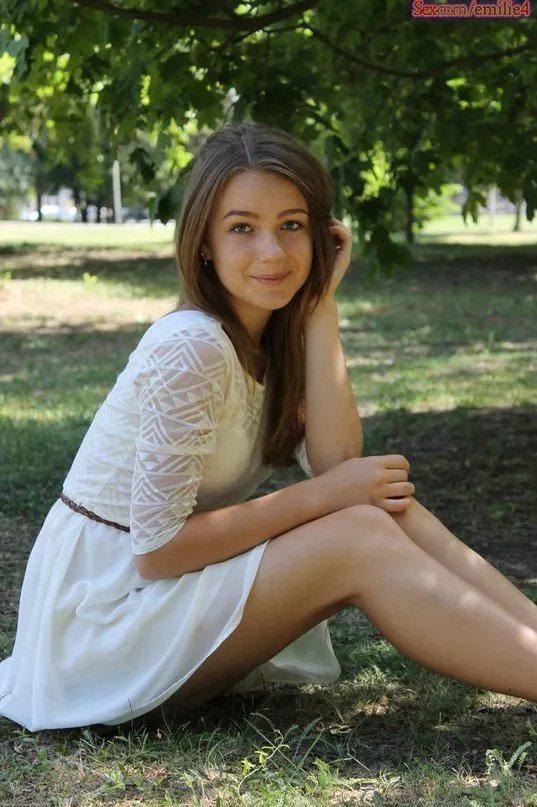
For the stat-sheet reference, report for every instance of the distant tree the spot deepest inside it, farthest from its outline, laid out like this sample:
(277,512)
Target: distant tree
(16,177)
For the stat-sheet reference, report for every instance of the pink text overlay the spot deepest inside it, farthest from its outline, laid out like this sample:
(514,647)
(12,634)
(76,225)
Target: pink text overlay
(500,9)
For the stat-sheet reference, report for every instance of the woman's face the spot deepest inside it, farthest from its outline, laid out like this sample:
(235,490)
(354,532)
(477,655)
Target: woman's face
(259,229)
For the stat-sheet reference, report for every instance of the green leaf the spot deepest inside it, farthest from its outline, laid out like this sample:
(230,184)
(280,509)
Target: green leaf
(168,204)
(144,163)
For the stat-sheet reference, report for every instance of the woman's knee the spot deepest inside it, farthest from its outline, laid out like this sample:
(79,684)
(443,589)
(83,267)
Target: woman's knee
(366,532)
(369,542)
(368,519)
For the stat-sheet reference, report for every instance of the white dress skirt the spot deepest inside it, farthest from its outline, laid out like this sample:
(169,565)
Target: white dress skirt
(180,432)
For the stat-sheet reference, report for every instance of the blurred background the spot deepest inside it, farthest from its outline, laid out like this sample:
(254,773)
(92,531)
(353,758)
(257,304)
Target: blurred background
(103,106)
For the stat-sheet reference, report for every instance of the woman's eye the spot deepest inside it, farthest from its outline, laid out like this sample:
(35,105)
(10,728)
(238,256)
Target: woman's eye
(290,226)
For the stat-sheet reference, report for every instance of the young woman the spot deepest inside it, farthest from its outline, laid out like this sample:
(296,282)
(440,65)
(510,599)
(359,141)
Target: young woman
(153,580)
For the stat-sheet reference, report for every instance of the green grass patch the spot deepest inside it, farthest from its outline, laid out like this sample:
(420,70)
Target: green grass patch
(443,364)
(90,236)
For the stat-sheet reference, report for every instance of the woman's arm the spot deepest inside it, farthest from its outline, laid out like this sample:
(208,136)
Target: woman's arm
(217,535)
(333,426)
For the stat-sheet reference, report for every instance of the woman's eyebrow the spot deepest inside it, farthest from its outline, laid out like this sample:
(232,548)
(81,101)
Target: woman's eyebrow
(255,216)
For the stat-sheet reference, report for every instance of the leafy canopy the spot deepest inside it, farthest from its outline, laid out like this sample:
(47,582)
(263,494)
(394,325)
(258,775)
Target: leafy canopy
(396,106)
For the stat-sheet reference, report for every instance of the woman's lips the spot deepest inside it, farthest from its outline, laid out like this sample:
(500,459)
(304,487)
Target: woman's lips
(271,281)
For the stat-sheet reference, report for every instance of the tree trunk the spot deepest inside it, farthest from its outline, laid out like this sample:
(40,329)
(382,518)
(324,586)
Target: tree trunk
(39,202)
(518,212)
(409,215)
(83,204)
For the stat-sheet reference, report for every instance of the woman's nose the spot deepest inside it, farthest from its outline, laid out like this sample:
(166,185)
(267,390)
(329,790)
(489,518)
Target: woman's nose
(270,249)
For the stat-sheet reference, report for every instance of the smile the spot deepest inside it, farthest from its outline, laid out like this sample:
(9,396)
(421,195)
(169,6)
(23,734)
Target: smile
(271,281)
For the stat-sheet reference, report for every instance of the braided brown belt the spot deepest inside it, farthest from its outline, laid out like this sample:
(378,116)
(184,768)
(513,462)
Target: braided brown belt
(78,508)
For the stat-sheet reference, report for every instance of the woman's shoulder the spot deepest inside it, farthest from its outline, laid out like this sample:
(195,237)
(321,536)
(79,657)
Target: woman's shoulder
(184,324)
(194,319)
(185,336)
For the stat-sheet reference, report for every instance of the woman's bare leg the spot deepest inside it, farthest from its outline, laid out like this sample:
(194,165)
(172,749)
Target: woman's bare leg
(298,584)
(360,556)
(427,532)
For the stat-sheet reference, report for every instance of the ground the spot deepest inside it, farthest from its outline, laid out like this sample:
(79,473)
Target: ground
(442,359)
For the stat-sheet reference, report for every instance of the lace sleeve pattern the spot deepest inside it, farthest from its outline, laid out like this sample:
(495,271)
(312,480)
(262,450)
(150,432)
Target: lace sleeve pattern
(181,393)
(301,456)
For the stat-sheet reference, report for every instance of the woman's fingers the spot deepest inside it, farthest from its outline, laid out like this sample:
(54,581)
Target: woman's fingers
(398,489)
(395,505)
(391,461)
(395,475)
(396,497)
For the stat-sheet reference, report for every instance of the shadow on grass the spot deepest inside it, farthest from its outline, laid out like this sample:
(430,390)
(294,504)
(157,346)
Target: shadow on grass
(423,717)
(427,719)
(461,264)
(474,468)
(146,274)
(155,274)
(63,357)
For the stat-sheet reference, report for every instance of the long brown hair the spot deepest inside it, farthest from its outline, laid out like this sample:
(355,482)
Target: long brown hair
(227,152)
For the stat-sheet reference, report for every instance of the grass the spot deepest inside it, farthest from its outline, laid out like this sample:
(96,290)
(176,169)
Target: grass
(496,230)
(77,235)
(443,364)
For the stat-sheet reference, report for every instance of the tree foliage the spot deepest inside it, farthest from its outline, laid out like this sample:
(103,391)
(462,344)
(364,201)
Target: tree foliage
(395,106)
(16,174)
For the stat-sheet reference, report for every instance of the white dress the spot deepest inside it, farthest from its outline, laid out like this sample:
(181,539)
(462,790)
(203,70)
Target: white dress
(98,643)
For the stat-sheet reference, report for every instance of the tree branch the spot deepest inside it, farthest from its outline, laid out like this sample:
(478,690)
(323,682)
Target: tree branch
(237,23)
(418,74)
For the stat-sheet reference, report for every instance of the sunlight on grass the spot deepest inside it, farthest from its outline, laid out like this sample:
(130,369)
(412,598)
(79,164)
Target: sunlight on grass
(141,236)
(499,229)
(465,379)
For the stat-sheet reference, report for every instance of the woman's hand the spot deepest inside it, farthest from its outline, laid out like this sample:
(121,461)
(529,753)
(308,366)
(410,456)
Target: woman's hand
(378,480)
(343,238)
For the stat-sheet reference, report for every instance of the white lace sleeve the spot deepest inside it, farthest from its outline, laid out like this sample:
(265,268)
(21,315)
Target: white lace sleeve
(301,456)
(182,391)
